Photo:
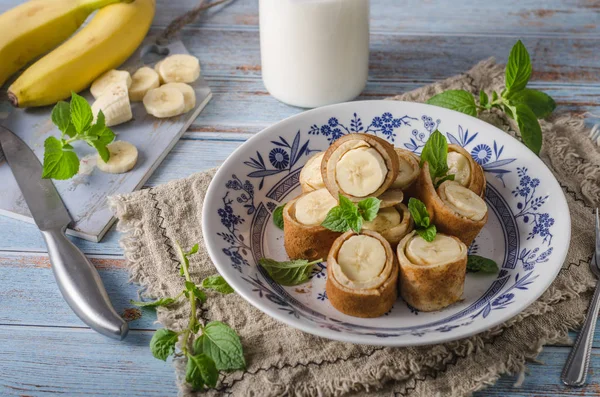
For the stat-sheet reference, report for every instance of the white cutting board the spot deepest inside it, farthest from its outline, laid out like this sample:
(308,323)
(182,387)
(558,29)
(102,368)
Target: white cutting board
(85,195)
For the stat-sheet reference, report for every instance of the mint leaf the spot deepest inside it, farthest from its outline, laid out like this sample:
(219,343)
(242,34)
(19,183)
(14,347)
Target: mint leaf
(195,291)
(539,102)
(435,153)
(459,100)
(427,234)
(163,343)
(518,69)
(193,250)
(157,303)
(346,204)
(219,342)
(61,116)
(60,162)
(368,208)
(355,222)
(278,216)
(201,370)
(483,99)
(419,212)
(81,113)
(289,272)
(218,283)
(530,129)
(444,179)
(335,221)
(476,263)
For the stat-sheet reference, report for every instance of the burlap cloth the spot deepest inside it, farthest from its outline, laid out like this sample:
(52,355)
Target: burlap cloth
(284,361)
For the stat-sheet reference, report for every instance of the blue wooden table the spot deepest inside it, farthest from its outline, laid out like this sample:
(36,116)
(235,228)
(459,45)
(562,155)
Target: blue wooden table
(45,349)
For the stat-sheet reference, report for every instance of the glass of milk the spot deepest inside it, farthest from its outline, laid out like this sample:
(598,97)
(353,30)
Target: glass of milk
(314,52)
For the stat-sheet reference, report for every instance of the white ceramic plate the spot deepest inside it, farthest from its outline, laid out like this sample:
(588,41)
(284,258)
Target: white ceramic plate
(527,234)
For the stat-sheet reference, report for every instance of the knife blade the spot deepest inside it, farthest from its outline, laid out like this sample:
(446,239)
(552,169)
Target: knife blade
(77,279)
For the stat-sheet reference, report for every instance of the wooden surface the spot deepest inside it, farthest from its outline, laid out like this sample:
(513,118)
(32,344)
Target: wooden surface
(45,349)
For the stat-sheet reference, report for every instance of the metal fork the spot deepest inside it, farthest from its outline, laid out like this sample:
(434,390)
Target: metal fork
(576,368)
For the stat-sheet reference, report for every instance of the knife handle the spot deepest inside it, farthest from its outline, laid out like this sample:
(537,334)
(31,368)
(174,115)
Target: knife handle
(81,286)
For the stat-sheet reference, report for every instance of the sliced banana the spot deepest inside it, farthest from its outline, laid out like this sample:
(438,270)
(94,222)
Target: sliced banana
(408,170)
(189,95)
(361,258)
(156,69)
(360,171)
(310,176)
(179,68)
(464,201)
(114,103)
(313,208)
(386,219)
(460,167)
(123,156)
(109,78)
(164,102)
(443,249)
(143,80)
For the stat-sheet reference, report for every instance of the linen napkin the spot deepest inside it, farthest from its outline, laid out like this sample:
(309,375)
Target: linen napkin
(284,361)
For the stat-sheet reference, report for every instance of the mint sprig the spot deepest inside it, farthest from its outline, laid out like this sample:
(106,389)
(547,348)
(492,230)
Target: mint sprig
(522,104)
(288,273)
(435,154)
(74,121)
(217,348)
(278,216)
(479,264)
(421,219)
(347,215)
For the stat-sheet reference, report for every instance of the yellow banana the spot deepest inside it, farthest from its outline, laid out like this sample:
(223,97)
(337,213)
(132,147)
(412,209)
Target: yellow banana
(106,42)
(34,28)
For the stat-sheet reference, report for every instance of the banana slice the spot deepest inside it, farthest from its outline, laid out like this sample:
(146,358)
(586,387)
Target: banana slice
(156,69)
(313,208)
(464,201)
(164,102)
(360,171)
(361,258)
(408,169)
(443,249)
(123,156)
(114,103)
(386,219)
(189,95)
(179,68)
(143,80)
(460,166)
(109,78)
(310,176)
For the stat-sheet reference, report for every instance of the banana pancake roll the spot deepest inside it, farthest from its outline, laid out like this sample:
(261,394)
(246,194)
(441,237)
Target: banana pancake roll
(465,170)
(362,274)
(432,274)
(304,237)
(360,166)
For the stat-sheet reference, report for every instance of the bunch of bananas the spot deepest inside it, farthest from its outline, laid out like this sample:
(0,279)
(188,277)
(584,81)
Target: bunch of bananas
(38,26)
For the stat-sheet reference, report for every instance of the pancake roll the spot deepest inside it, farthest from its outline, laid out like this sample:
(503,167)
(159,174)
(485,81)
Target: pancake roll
(432,274)
(362,274)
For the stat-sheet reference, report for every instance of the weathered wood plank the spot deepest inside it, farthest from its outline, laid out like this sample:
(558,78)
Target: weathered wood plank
(29,294)
(40,361)
(244,106)
(397,57)
(18,271)
(47,361)
(544,379)
(465,16)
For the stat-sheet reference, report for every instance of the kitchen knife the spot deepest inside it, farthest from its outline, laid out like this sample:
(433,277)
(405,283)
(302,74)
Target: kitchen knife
(77,278)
